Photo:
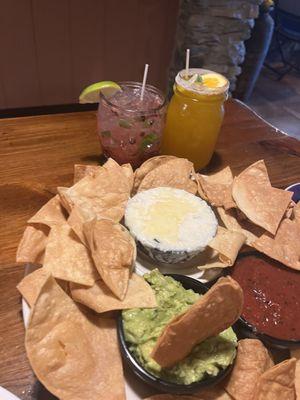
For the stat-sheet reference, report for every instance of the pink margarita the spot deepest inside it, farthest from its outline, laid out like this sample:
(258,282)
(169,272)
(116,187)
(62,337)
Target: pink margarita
(130,129)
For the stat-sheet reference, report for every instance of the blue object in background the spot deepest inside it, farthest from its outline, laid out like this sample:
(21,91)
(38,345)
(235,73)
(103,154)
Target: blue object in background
(295,188)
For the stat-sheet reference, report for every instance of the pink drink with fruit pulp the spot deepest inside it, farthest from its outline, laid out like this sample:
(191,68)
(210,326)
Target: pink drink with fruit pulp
(130,129)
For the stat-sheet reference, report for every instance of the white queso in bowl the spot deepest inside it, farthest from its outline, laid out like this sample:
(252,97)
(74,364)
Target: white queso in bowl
(170,225)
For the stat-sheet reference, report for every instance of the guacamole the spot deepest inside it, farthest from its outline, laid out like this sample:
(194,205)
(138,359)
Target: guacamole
(142,327)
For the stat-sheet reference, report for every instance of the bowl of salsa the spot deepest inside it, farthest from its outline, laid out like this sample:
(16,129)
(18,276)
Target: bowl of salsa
(271,310)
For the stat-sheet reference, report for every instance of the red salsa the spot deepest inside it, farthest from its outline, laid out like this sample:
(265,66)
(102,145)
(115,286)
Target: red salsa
(271,296)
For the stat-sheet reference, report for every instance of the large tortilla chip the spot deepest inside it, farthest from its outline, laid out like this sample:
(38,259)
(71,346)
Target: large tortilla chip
(278,382)
(74,357)
(215,311)
(103,195)
(251,362)
(146,167)
(31,248)
(50,214)
(67,258)
(176,173)
(264,205)
(100,298)
(228,244)
(216,188)
(83,170)
(114,252)
(296,354)
(231,219)
(284,247)
(31,284)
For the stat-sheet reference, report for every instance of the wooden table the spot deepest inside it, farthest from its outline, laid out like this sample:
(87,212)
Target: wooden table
(37,155)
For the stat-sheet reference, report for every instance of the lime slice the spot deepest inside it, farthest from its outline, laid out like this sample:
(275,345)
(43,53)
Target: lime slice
(91,93)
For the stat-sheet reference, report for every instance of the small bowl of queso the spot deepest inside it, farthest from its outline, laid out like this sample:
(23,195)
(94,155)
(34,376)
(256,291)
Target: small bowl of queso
(271,300)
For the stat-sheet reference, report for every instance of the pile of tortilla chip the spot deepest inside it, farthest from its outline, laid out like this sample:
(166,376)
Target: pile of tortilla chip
(85,261)
(84,255)
(254,213)
(254,377)
(167,171)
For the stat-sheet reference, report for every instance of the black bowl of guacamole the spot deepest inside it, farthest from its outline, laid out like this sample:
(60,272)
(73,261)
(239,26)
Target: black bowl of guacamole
(138,330)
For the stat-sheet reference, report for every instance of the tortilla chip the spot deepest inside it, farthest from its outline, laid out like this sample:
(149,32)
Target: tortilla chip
(296,212)
(217,188)
(176,173)
(213,263)
(213,393)
(74,357)
(76,221)
(31,284)
(114,252)
(83,170)
(278,382)
(209,259)
(50,214)
(128,172)
(251,362)
(146,167)
(171,397)
(64,199)
(296,354)
(284,247)
(228,244)
(103,195)
(100,299)
(289,210)
(215,311)
(67,258)
(233,222)
(31,248)
(264,205)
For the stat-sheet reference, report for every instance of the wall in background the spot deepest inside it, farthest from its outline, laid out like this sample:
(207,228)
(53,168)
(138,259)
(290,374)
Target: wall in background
(52,49)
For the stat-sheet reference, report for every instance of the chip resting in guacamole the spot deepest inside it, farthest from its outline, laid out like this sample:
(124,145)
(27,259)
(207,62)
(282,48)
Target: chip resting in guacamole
(142,327)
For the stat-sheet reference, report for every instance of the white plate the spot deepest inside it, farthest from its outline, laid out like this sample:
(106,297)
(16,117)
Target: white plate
(135,388)
(6,395)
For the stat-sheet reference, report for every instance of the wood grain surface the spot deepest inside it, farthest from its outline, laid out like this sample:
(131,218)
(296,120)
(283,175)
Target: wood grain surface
(37,154)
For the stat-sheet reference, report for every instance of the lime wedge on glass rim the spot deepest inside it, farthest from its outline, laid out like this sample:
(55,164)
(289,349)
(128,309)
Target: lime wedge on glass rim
(91,93)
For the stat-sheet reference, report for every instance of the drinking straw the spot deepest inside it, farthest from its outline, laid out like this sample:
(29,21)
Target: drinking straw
(187,62)
(144,80)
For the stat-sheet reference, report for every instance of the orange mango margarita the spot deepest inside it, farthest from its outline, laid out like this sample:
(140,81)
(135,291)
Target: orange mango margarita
(195,115)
